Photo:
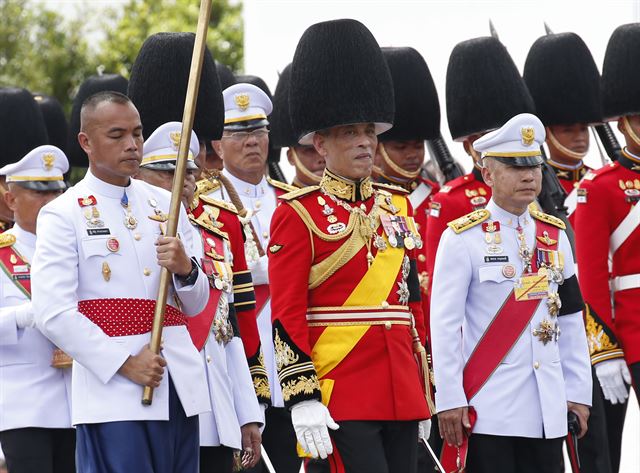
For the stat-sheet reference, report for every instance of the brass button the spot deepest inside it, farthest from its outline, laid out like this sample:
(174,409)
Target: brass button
(146,271)
(385,304)
(208,359)
(257,204)
(265,235)
(137,236)
(536,365)
(387,325)
(422,258)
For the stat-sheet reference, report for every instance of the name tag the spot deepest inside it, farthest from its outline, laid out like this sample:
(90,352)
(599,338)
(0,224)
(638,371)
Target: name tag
(496,259)
(531,287)
(98,231)
(21,268)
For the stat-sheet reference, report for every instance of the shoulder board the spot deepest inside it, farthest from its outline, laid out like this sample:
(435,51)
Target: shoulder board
(206,186)
(595,173)
(207,226)
(546,218)
(390,187)
(7,239)
(283,186)
(472,219)
(221,204)
(298,193)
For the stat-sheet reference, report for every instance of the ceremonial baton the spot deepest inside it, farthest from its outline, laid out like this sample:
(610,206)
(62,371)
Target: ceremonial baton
(266,460)
(572,441)
(197,59)
(436,463)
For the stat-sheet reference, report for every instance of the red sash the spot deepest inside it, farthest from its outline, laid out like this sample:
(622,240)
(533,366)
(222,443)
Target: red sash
(262,297)
(496,342)
(199,326)
(22,280)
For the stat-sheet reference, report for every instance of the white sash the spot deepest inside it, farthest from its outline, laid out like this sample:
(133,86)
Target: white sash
(625,229)
(419,194)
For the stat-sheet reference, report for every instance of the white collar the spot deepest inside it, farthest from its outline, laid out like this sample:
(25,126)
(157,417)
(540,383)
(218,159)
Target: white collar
(104,188)
(506,218)
(246,189)
(23,237)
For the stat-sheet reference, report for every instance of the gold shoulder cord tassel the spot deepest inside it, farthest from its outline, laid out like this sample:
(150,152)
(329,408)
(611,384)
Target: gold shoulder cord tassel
(423,364)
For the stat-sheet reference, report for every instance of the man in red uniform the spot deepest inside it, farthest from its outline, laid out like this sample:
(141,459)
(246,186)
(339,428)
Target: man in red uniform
(608,234)
(344,284)
(567,97)
(401,150)
(484,89)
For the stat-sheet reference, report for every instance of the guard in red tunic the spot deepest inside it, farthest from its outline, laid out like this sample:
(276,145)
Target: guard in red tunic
(608,234)
(401,150)
(479,70)
(346,308)
(307,162)
(568,99)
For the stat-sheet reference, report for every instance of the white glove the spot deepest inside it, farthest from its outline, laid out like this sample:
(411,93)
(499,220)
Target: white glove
(612,374)
(310,420)
(25,317)
(424,429)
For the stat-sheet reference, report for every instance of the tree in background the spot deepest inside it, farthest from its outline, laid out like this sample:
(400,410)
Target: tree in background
(44,51)
(127,27)
(40,50)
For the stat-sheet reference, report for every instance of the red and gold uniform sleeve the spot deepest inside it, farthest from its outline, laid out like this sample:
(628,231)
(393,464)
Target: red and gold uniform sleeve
(244,304)
(290,258)
(594,223)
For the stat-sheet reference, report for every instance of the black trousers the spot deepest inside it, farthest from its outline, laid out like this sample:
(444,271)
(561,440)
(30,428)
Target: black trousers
(593,448)
(279,440)
(496,454)
(216,459)
(36,450)
(615,415)
(374,447)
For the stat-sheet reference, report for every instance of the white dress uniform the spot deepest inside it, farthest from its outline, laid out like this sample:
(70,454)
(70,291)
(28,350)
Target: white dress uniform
(527,394)
(32,392)
(231,393)
(80,259)
(475,274)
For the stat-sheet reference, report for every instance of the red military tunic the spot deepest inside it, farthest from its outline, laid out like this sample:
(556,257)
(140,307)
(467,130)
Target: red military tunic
(605,198)
(223,217)
(341,328)
(458,197)
(569,178)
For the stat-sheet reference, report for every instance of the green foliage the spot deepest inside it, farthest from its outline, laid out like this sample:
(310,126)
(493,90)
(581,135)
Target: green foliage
(44,51)
(40,50)
(127,27)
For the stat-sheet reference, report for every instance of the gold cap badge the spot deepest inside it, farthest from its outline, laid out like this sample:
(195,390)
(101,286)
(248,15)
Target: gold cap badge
(174,136)
(242,101)
(528,135)
(47,161)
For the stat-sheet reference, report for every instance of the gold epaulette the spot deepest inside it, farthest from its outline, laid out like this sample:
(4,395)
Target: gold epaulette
(221,204)
(546,218)
(390,187)
(298,193)
(7,239)
(205,186)
(472,219)
(283,186)
(202,222)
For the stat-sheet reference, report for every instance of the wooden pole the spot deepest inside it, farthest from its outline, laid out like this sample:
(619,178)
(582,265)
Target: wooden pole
(197,59)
